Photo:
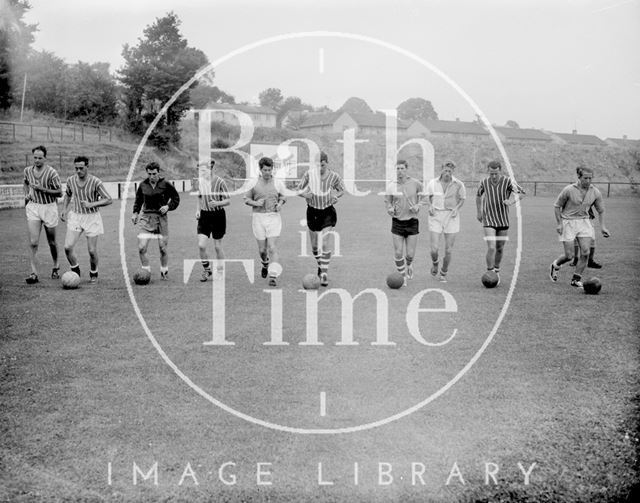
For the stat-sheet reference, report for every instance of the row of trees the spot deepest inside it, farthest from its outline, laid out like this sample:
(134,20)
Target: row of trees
(154,70)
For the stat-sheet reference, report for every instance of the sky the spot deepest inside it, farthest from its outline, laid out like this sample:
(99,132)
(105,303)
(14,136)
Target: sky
(555,65)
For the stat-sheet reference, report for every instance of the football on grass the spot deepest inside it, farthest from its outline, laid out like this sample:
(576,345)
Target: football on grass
(395,280)
(592,286)
(311,282)
(490,279)
(142,277)
(70,280)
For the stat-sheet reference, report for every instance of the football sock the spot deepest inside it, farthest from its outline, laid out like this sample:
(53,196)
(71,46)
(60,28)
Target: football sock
(206,265)
(146,268)
(400,265)
(76,269)
(408,260)
(164,270)
(323,263)
(592,250)
(577,277)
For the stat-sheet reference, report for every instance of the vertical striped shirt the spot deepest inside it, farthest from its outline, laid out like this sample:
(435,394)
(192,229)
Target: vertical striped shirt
(90,191)
(48,178)
(495,213)
(218,192)
(321,187)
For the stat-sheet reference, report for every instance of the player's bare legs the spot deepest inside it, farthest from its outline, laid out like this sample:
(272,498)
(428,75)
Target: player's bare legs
(449,241)
(501,239)
(163,246)
(490,238)
(410,243)
(143,243)
(92,248)
(35,227)
(434,242)
(69,249)
(584,243)
(398,252)
(53,245)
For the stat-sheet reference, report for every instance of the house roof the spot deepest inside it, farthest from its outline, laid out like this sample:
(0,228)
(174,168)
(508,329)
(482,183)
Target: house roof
(454,127)
(522,134)
(580,139)
(249,109)
(624,142)
(377,119)
(315,120)
(363,120)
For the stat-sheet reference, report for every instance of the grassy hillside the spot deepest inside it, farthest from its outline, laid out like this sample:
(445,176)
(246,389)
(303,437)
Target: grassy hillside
(111,159)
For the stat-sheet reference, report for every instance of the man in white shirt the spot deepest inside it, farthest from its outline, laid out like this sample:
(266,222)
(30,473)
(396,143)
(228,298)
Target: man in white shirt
(446,195)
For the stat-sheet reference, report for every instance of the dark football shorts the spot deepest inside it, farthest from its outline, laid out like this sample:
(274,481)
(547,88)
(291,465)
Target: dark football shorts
(497,229)
(212,223)
(321,219)
(405,228)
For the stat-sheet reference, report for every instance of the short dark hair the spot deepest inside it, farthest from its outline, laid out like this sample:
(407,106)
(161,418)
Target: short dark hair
(403,162)
(324,157)
(580,170)
(82,158)
(152,165)
(494,165)
(41,148)
(265,161)
(449,164)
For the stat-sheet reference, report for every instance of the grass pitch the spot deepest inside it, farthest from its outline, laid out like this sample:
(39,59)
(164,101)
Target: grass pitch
(86,399)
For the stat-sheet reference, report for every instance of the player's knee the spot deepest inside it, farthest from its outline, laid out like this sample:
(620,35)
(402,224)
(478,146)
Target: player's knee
(217,248)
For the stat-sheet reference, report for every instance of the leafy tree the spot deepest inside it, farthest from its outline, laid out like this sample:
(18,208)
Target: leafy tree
(154,70)
(16,38)
(291,103)
(416,108)
(203,94)
(512,124)
(92,91)
(47,83)
(356,106)
(271,98)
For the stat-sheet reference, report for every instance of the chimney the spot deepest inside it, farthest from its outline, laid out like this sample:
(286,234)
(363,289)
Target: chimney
(575,131)
(458,119)
(624,136)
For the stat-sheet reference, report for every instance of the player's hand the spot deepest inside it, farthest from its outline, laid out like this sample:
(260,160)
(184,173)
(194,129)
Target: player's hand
(432,212)
(134,218)
(164,209)
(414,208)
(85,204)
(260,203)
(391,211)
(605,232)
(454,213)
(198,215)
(63,216)
(479,217)
(559,228)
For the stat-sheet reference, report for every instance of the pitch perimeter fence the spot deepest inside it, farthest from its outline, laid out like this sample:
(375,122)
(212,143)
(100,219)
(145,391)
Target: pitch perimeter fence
(65,132)
(12,196)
